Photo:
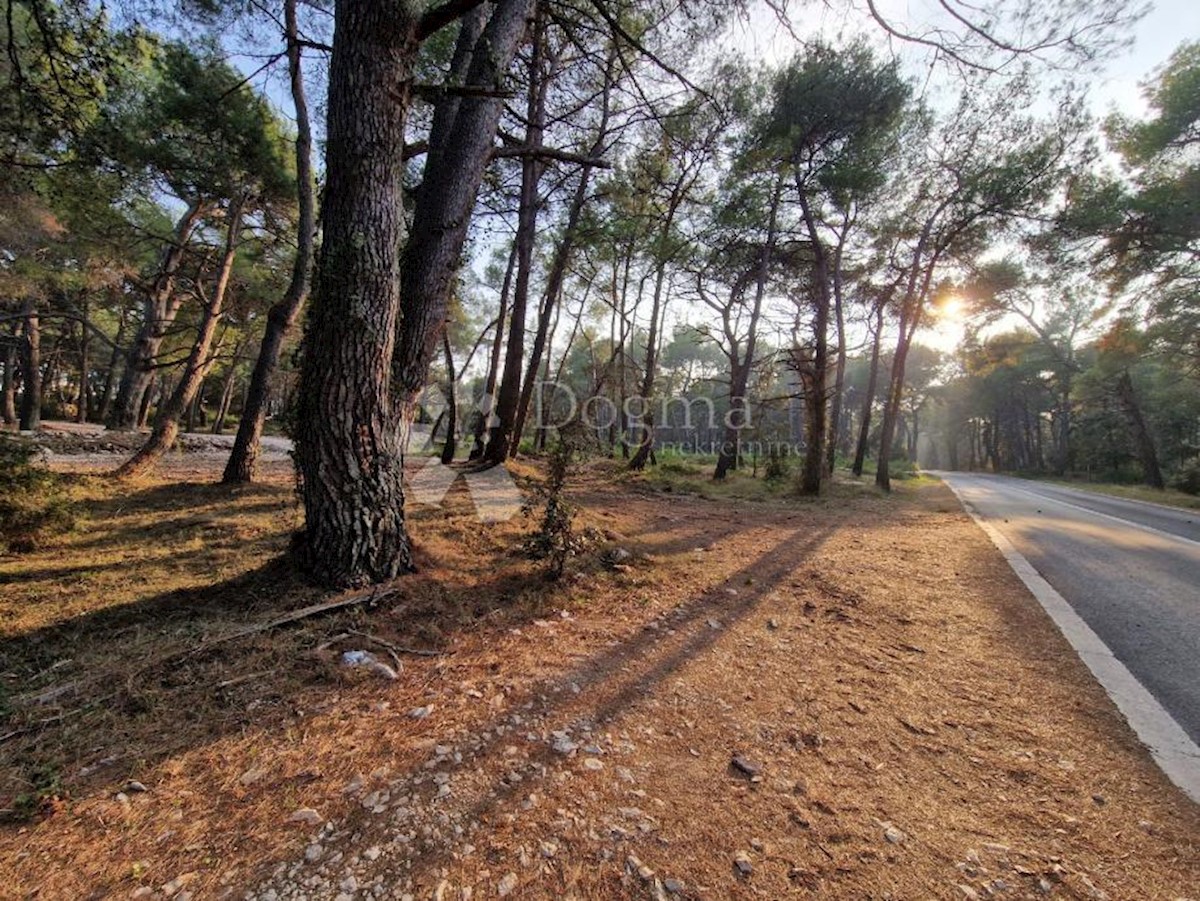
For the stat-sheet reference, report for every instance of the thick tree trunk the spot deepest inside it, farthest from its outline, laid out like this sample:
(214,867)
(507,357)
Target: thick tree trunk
(1142,439)
(349,442)
(31,368)
(187,390)
(160,308)
(446,197)
(864,427)
(282,315)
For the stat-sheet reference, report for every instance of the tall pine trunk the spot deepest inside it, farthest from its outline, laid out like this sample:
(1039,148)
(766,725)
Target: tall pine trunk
(160,308)
(282,315)
(864,426)
(8,409)
(31,368)
(487,404)
(454,168)
(1142,439)
(504,439)
(817,389)
(187,390)
(348,448)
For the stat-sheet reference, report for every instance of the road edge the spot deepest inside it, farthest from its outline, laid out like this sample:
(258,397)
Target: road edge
(1171,748)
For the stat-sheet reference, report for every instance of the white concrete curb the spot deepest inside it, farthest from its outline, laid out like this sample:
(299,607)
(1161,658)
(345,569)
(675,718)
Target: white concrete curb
(1172,749)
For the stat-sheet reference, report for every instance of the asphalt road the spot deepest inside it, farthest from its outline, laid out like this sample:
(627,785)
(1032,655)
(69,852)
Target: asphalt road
(1131,570)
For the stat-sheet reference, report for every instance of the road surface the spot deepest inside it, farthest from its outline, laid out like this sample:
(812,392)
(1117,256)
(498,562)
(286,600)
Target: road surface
(1131,570)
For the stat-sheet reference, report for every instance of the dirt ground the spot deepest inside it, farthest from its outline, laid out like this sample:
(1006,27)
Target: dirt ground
(848,698)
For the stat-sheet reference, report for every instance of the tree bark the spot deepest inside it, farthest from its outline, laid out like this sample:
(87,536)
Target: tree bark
(349,442)
(282,315)
(81,399)
(9,406)
(503,439)
(446,197)
(187,390)
(817,400)
(160,308)
(110,372)
(451,446)
(1142,439)
(562,257)
(839,378)
(31,368)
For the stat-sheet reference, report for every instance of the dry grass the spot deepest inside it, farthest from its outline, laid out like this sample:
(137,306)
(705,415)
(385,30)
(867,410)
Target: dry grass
(909,679)
(1168,496)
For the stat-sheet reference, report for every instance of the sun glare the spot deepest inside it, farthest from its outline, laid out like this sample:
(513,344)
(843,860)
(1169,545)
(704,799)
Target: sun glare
(951,309)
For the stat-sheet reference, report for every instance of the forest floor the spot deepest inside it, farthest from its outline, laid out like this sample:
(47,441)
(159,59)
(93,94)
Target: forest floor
(850,697)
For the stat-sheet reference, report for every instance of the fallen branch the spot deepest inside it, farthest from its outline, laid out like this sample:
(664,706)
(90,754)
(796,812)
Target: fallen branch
(366,598)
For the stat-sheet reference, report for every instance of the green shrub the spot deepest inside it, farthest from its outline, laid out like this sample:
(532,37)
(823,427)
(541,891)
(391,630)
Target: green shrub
(778,466)
(1187,479)
(554,539)
(32,504)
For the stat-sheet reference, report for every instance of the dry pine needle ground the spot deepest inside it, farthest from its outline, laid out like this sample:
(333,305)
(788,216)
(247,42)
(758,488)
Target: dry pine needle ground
(916,727)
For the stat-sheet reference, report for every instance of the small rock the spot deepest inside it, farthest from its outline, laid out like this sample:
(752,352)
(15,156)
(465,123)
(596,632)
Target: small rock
(674,886)
(745,766)
(741,863)
(967,892)
(591,763)
(173,887)
(251,776)
(419,713)
(636,867)
(506,885)
(314,852)
(548,849)
(143,892)
(714,624)
(893,835)
(135,787)
(563,745)
(1100,800)
(772,624)
(306,815)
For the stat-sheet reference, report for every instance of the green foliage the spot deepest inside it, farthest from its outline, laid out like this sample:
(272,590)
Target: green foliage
(44,789)
(554,539)
(1187,479)
(190,124)
(834,115)
(32,505)
(778,465)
